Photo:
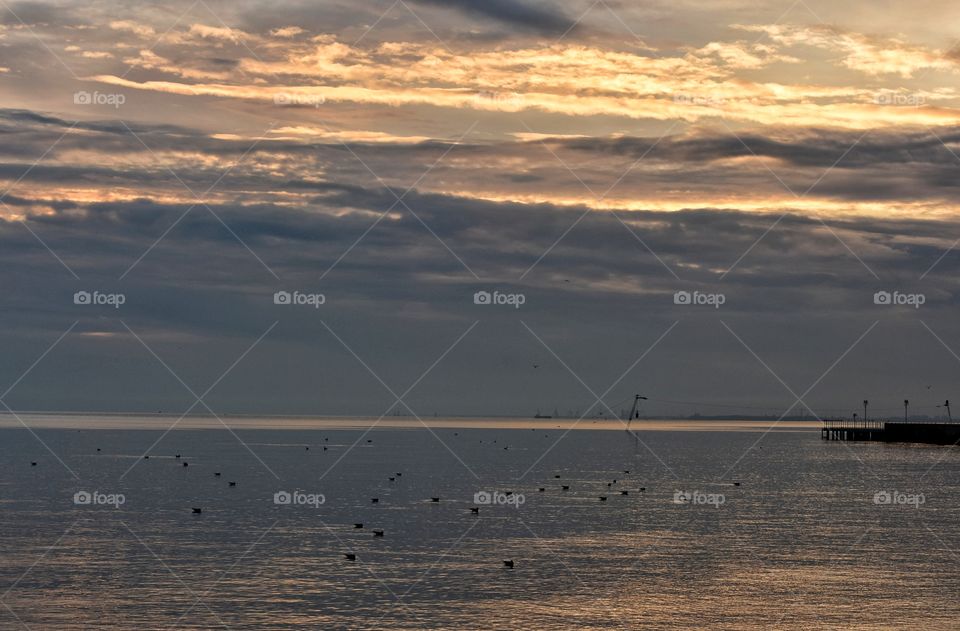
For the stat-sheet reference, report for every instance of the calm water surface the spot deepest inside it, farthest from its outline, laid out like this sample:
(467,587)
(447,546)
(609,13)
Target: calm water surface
(801,543)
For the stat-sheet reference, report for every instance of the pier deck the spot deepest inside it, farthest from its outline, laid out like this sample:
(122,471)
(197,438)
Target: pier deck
(891,432)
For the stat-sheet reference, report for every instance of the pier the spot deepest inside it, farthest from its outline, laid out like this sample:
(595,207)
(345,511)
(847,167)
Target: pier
(890,432)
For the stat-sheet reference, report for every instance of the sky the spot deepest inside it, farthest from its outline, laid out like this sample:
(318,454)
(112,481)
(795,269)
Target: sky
(479,208)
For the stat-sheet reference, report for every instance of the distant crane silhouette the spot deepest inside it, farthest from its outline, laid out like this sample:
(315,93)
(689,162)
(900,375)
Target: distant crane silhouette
(635,409)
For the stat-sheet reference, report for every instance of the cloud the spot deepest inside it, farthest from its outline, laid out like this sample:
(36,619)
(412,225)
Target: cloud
(517,13)
(871,55)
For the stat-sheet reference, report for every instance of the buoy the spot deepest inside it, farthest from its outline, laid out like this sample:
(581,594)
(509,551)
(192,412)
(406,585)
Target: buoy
(508,563)
(350,556)
(197,511)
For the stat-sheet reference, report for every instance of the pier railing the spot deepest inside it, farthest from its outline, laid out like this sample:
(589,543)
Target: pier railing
(847,423)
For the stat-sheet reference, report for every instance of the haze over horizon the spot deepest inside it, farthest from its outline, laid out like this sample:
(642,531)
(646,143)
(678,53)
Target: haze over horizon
(582,162)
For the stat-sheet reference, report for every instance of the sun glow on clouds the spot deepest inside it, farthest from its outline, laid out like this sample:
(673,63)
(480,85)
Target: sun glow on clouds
(575,80)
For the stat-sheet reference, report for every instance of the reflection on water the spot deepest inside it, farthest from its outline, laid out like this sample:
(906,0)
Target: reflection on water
(800,543)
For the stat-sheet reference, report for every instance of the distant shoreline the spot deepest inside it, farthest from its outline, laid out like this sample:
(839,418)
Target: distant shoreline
(162,422)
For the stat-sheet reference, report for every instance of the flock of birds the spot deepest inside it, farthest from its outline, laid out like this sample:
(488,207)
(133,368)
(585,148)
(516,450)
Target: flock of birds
(379,532)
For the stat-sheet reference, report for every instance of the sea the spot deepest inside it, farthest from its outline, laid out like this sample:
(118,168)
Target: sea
(155,522)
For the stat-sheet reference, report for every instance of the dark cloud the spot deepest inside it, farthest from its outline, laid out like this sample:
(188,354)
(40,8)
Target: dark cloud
(522,15)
